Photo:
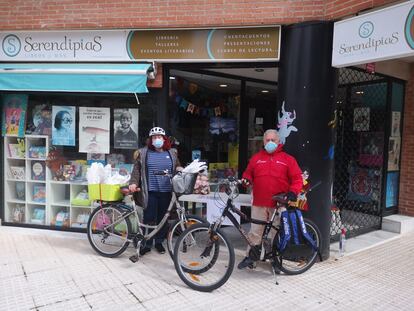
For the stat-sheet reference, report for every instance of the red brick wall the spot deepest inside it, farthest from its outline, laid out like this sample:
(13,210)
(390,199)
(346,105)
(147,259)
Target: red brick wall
(339,8)
(406,200)
(92,14)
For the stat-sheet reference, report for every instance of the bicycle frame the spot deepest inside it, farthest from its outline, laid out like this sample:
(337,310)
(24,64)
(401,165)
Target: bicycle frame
(231,208)
(129,212)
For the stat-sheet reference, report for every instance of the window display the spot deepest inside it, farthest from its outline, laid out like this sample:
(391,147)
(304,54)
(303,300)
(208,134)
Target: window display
(45,180)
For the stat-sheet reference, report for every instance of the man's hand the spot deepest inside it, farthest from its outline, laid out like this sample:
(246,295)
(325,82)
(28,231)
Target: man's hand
(291,196)
(245,182)
(134,188)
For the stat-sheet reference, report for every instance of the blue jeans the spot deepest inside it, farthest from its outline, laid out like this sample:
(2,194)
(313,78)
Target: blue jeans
(158,203)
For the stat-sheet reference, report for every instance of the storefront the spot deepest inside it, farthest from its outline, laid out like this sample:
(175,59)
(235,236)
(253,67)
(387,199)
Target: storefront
(64,95)
(215,91)
(370,113)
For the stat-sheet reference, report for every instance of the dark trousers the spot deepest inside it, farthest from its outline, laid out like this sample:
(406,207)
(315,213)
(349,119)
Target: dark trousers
(158,203)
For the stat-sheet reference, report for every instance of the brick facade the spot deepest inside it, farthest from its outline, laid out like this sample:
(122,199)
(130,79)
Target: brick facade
(110,14)
(406,200)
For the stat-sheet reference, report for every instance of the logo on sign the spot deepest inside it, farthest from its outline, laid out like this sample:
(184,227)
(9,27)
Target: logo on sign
(409,28)
(366,29)
(11,45)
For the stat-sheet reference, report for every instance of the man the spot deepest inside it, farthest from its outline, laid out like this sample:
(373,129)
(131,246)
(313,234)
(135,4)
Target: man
(125,137)
(270,171)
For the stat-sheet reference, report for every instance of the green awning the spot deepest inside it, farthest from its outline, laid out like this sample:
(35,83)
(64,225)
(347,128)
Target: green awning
(107,78)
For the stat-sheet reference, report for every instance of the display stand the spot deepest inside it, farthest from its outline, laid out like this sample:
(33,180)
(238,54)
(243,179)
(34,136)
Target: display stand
(31,196)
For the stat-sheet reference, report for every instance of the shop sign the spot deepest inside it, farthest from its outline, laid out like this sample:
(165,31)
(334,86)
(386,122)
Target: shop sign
(67,46)
(380,35)
(224,44)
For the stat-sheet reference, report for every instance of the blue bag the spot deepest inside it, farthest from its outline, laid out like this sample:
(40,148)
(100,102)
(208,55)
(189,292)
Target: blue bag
(293,231)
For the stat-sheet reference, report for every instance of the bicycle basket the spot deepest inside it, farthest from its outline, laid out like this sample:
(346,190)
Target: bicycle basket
(183,183)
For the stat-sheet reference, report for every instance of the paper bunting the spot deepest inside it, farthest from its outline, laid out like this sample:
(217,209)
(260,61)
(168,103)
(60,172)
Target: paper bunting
(190,108)
(183,104)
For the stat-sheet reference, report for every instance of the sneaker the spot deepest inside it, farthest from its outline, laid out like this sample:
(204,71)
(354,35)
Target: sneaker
(246,262)
(160,248)
(144,249)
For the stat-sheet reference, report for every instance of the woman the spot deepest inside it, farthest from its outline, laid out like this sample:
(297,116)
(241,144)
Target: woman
(153,192)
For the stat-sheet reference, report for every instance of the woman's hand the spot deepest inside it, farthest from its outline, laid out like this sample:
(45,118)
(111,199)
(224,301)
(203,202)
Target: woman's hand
(134,188)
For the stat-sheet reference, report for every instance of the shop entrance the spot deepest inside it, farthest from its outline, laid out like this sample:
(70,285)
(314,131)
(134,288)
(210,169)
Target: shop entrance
(219,115)
(369,108)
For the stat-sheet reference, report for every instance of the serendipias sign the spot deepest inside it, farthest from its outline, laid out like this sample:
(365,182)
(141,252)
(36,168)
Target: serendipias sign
(380,35)
(184,45)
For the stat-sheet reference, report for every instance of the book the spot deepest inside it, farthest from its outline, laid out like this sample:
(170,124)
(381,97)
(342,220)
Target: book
(37,152)
(39,194)
(38,216)
(20,191)
(38,170)
(17,173)
(14,114)
(18,213)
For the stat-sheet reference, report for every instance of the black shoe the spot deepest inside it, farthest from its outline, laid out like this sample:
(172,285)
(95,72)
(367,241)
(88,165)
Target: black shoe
(160,248)
(247,262)
(144,249)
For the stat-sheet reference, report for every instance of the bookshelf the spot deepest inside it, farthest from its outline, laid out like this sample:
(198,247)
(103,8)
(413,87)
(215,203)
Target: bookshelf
(31,195)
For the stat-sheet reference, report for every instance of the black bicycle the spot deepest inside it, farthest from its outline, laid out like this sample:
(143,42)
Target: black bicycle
(204,256)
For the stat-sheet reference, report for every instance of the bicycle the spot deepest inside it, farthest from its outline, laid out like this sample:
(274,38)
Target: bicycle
(110,231)
(204,256)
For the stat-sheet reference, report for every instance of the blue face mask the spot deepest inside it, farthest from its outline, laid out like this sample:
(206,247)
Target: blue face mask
(270,147)
(158,142)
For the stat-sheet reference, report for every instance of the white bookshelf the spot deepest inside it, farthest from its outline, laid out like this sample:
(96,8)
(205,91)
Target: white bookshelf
(58,195)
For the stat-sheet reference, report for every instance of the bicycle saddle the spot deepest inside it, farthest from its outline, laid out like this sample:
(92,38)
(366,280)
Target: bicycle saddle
(280,198)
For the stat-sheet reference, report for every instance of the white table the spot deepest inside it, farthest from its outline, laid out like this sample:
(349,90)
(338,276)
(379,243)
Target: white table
(215,205)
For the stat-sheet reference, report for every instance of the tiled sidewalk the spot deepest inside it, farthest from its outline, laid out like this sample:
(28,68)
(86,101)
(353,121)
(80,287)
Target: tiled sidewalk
(49,270)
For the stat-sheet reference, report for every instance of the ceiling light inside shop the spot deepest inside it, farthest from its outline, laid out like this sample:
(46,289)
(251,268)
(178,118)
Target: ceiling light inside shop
(172,78)
(359,92)
(265,91)
(223,85)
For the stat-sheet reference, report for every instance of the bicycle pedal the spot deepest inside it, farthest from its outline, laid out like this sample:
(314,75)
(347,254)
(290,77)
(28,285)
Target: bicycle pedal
(134,258)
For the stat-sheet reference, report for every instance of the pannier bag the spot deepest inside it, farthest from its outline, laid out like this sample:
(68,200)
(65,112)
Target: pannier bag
(183,183)
(293,232)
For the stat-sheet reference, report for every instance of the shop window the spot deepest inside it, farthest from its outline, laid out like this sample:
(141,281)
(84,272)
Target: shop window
(204,118)
(49,141)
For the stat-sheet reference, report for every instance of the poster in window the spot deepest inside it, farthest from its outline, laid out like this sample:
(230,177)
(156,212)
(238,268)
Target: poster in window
(371,149)
(395,124)
(126,128)
(39,122)
(394,153)
(392,189)
(361,119)
(94,123)
(14,114)
(63,128)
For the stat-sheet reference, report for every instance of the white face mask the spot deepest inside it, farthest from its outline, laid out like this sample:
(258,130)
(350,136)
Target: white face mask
(158,143)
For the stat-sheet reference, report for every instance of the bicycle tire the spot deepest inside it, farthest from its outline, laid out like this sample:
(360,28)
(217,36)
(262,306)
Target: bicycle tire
(175,231)
(123,232)
(297,266)
(192,277)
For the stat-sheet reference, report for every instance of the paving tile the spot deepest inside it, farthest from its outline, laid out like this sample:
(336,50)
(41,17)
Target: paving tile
(46,270)
(115,299)
(76,304)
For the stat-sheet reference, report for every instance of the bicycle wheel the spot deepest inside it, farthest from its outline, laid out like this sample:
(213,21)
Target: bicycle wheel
(106,238)
(203,262)
(297,259)
(177,227)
